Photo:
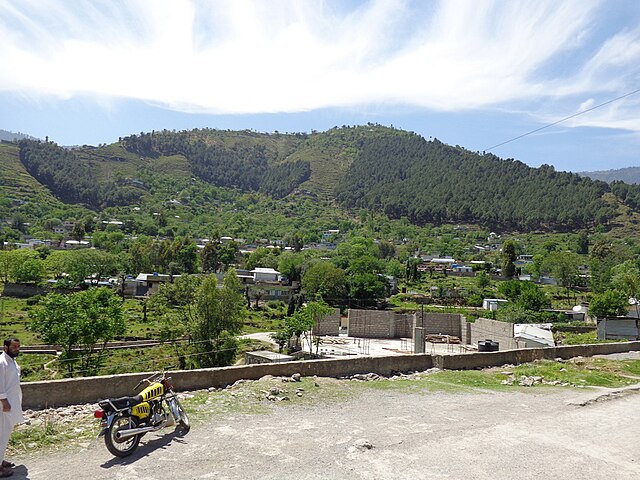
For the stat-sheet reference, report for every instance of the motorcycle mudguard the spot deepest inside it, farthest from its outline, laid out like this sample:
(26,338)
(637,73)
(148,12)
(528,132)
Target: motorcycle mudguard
(107,424)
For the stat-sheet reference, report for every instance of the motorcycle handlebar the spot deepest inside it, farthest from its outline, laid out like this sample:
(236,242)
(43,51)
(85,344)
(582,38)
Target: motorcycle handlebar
(154,376)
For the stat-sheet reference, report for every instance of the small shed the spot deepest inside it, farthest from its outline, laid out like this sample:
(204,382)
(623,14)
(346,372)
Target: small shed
(619,328)
(492,304)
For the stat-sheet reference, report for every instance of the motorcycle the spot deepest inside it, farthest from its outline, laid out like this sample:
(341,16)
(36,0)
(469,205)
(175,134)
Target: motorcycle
(126,420)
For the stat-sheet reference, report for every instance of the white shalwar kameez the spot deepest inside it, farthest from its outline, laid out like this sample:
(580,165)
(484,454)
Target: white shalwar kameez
(9,389)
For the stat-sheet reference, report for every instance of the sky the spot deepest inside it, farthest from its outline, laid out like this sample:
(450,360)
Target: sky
(473,73)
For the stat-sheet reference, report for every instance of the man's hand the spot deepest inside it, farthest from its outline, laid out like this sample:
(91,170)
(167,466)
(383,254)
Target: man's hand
(6,406)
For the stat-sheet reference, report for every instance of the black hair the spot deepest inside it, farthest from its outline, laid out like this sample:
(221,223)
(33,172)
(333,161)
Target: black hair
(7,342)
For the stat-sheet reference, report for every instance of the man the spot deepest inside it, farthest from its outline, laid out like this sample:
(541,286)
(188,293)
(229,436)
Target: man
(10,398)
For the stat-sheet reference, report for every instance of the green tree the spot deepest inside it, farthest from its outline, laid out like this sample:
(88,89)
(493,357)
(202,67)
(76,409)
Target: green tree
(368,286)
(532,297)
(30,271)
(82,323)
(563,266)
(262,257)
(10,262)
(302,322)
(216,316)
(482,280)
(611,303)
(290,265)
(78,232)
(508,259)
(626,278)
(325,280)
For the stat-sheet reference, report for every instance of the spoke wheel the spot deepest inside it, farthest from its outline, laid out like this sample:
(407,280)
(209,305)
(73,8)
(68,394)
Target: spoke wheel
(125,446)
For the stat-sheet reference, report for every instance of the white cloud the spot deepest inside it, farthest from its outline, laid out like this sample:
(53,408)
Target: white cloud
(244,56)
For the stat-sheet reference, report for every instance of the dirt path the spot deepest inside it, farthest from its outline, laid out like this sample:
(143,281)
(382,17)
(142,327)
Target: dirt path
(550,433)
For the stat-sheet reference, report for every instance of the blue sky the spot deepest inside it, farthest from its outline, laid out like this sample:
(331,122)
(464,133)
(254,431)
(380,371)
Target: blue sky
(473,73)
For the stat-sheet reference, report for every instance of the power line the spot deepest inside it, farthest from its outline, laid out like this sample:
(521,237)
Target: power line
(563,119)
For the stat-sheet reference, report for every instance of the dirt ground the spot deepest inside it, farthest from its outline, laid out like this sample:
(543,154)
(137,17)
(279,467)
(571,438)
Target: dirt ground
(539,433)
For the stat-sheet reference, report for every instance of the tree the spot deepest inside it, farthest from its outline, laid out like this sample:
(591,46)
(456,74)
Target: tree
(626,278)
(78,232)
(216,316)
(290,265)
(82,323)
(29,271)
(10,262)
(482,280)
(532,297)
(301,323)
(262,257)
(563,266)
(508,259)
(368,286)
(611,303)
(582,243)
(324,280)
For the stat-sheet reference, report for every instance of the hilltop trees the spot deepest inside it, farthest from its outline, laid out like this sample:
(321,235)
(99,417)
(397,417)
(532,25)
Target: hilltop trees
(431,182)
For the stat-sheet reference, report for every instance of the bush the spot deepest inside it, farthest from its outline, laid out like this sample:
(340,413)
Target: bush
(474,300)
(34,300)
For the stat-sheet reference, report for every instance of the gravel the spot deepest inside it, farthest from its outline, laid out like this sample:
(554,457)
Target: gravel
(386,434)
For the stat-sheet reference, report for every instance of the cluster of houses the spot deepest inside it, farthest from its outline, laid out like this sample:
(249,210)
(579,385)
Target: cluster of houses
(265,283)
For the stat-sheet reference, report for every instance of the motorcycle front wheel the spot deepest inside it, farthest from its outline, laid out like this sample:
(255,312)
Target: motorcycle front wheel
(122,447)
(180,415)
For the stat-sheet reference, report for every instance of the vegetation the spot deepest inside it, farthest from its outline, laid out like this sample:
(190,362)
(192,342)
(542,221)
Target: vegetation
(192,204)
(82,323)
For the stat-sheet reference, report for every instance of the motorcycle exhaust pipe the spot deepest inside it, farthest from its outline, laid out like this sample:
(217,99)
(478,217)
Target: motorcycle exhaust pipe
(132,432)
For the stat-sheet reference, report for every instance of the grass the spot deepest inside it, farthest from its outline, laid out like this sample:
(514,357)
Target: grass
(584,371)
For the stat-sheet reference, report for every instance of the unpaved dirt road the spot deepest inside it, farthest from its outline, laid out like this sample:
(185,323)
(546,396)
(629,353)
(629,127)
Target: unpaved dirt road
(537,434)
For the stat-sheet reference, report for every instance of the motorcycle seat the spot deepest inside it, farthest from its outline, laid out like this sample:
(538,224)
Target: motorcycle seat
(126,402)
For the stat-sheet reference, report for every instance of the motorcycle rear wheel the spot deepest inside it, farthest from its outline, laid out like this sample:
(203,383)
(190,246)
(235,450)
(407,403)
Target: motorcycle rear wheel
(121,447)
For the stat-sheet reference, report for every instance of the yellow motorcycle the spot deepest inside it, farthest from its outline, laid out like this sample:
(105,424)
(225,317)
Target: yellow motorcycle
(125,420)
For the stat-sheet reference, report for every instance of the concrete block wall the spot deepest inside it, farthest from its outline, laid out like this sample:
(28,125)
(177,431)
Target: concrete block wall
(501,332)
(328,325)
(404,325)
(371,324)
(380,324)
(465,331)
(440,323)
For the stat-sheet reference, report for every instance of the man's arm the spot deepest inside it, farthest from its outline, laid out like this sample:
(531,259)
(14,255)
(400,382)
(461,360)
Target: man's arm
(6,406)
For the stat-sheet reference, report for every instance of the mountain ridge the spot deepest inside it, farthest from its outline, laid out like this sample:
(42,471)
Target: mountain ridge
(369,167)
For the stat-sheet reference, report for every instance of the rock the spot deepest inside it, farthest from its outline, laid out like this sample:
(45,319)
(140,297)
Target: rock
(299,394)
(526,381)
(296,377)
(274,391)
(363,444)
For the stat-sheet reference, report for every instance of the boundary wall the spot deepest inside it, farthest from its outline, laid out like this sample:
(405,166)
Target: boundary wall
(75,391)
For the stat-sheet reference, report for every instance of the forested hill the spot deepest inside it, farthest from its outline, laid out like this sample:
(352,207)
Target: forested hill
(431,182)
(367,167)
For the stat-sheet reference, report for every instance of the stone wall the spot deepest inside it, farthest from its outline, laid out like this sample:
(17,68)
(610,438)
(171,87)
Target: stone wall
(501,332)
(88,390)
(329,325)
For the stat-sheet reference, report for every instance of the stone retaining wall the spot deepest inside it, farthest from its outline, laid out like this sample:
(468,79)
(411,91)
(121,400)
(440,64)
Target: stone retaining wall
(86,390)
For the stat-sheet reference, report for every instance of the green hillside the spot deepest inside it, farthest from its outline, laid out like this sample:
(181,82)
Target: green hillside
(204,178)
